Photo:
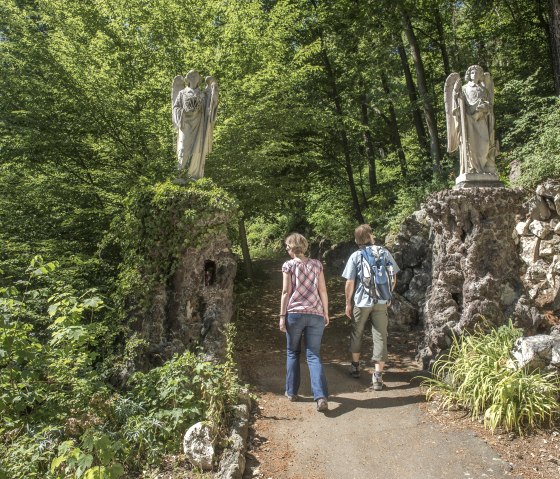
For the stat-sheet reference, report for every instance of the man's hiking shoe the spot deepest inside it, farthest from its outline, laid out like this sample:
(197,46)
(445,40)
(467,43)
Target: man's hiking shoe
(291,397)
(322,405)
(377,382)
(355,370)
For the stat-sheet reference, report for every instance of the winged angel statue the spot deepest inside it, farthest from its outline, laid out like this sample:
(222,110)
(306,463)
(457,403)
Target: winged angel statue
(194,116)
(470,122)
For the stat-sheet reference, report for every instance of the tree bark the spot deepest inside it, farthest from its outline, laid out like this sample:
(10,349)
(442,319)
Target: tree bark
(343,136)
(413,97)
(245,248)
(394,127)
(429,111)
(441,41)
(368,146)
(554,36)
(331,78)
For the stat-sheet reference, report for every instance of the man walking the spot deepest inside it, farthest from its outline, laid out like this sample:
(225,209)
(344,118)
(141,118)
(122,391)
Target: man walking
(370,279)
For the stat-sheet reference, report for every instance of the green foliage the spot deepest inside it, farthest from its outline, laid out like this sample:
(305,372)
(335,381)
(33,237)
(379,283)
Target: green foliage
(408,199)
(327,214)
(95,462)
(264,235)
(171,398)
(159,223)
(477,374)
(61,418)
(533,137)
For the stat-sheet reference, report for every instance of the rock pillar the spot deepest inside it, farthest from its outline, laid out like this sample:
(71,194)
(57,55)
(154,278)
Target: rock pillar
(177,275)
(475,266)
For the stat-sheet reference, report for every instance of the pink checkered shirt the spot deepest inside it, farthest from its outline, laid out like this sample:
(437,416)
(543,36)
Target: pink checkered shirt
(305,282)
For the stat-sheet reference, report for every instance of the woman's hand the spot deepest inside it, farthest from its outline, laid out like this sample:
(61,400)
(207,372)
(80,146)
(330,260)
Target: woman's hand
(282,323)
(326,318)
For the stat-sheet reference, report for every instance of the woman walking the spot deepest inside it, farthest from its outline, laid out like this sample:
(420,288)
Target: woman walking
(304,313)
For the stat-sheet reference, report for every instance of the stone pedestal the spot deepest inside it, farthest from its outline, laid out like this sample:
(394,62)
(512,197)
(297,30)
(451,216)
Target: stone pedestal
(178,270)
(475,275)
(478,180)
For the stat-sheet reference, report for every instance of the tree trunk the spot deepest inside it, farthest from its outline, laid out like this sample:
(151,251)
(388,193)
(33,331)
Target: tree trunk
(245,248)
(343,136)
(411,88)
(368,145)
(429,111)
(394,127)
(554,38)
(441,41)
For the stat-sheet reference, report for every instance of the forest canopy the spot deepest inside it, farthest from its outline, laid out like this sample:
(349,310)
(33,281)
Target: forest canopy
(331,114)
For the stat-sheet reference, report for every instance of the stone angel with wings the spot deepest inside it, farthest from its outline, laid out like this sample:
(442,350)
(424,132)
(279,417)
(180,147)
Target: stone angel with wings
(469,111)
(194,116)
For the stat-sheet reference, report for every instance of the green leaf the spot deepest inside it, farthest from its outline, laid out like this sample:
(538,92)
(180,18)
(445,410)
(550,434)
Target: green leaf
(92,302)
(53,308)
(56,462)
(104,448)
(84,462)
(115,471)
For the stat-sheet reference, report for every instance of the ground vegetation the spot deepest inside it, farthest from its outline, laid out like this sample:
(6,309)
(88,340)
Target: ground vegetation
(331,114)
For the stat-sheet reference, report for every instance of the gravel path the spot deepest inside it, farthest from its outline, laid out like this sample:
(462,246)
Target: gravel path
(365,434)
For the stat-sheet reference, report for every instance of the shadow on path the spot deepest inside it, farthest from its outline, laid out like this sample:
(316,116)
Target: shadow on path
(347,405)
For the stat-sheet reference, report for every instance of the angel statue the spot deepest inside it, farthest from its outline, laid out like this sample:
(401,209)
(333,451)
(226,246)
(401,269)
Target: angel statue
(194,115)
(470,124)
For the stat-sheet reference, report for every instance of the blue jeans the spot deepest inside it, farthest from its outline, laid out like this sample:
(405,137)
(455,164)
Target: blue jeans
(311,327)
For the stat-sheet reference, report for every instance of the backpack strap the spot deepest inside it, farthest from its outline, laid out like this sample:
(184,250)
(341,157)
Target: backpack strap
(365,256)
(369,256)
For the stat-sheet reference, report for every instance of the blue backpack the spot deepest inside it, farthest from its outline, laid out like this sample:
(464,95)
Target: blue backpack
(377,274)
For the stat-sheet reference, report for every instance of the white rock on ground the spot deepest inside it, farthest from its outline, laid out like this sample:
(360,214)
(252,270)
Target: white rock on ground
(198,446)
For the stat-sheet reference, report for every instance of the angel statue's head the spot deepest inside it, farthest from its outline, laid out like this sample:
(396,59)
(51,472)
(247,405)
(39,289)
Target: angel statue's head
(192,78)
(474,73)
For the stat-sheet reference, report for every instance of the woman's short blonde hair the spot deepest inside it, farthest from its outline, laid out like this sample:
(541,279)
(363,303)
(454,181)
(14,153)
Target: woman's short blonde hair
(297,243)
(363,235)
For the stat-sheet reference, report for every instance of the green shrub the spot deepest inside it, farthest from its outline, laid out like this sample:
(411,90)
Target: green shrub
(477,375)
(531,124)
(61,418)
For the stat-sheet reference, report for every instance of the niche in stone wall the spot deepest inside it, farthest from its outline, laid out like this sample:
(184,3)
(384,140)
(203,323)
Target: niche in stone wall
(209,273)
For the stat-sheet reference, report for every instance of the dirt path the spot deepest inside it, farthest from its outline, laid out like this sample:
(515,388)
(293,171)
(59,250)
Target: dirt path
(365,433)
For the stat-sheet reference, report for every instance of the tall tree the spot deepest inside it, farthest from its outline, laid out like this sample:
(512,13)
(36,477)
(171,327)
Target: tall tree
(554,13)
(429,111)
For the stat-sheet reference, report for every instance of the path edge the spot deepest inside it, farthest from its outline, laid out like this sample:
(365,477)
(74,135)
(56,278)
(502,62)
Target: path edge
(232,463)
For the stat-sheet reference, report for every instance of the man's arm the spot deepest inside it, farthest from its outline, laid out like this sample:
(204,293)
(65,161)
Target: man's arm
(348,292)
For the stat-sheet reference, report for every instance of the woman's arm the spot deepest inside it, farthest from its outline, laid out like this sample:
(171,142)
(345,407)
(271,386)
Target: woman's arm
(324,297)
(286,293)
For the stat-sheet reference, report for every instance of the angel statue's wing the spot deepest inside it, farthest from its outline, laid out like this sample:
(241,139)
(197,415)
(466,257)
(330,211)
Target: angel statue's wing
(212,97)
(211,91)
(451,88)
(489,85)
(177,85)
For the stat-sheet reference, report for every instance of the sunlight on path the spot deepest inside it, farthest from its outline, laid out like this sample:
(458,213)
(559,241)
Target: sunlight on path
(365,433)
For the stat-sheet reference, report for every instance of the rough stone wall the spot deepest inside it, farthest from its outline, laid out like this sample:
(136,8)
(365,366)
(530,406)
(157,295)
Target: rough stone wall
(178,270)
(538,237)
(192,307)
(461,266)
(412,252)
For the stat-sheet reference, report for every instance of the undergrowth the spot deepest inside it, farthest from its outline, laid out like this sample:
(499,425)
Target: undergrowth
(60,417)
(478,375)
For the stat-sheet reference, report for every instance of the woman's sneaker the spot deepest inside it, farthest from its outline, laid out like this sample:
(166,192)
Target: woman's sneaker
(355,370)
(291,397)
(377,381)
(322,405)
